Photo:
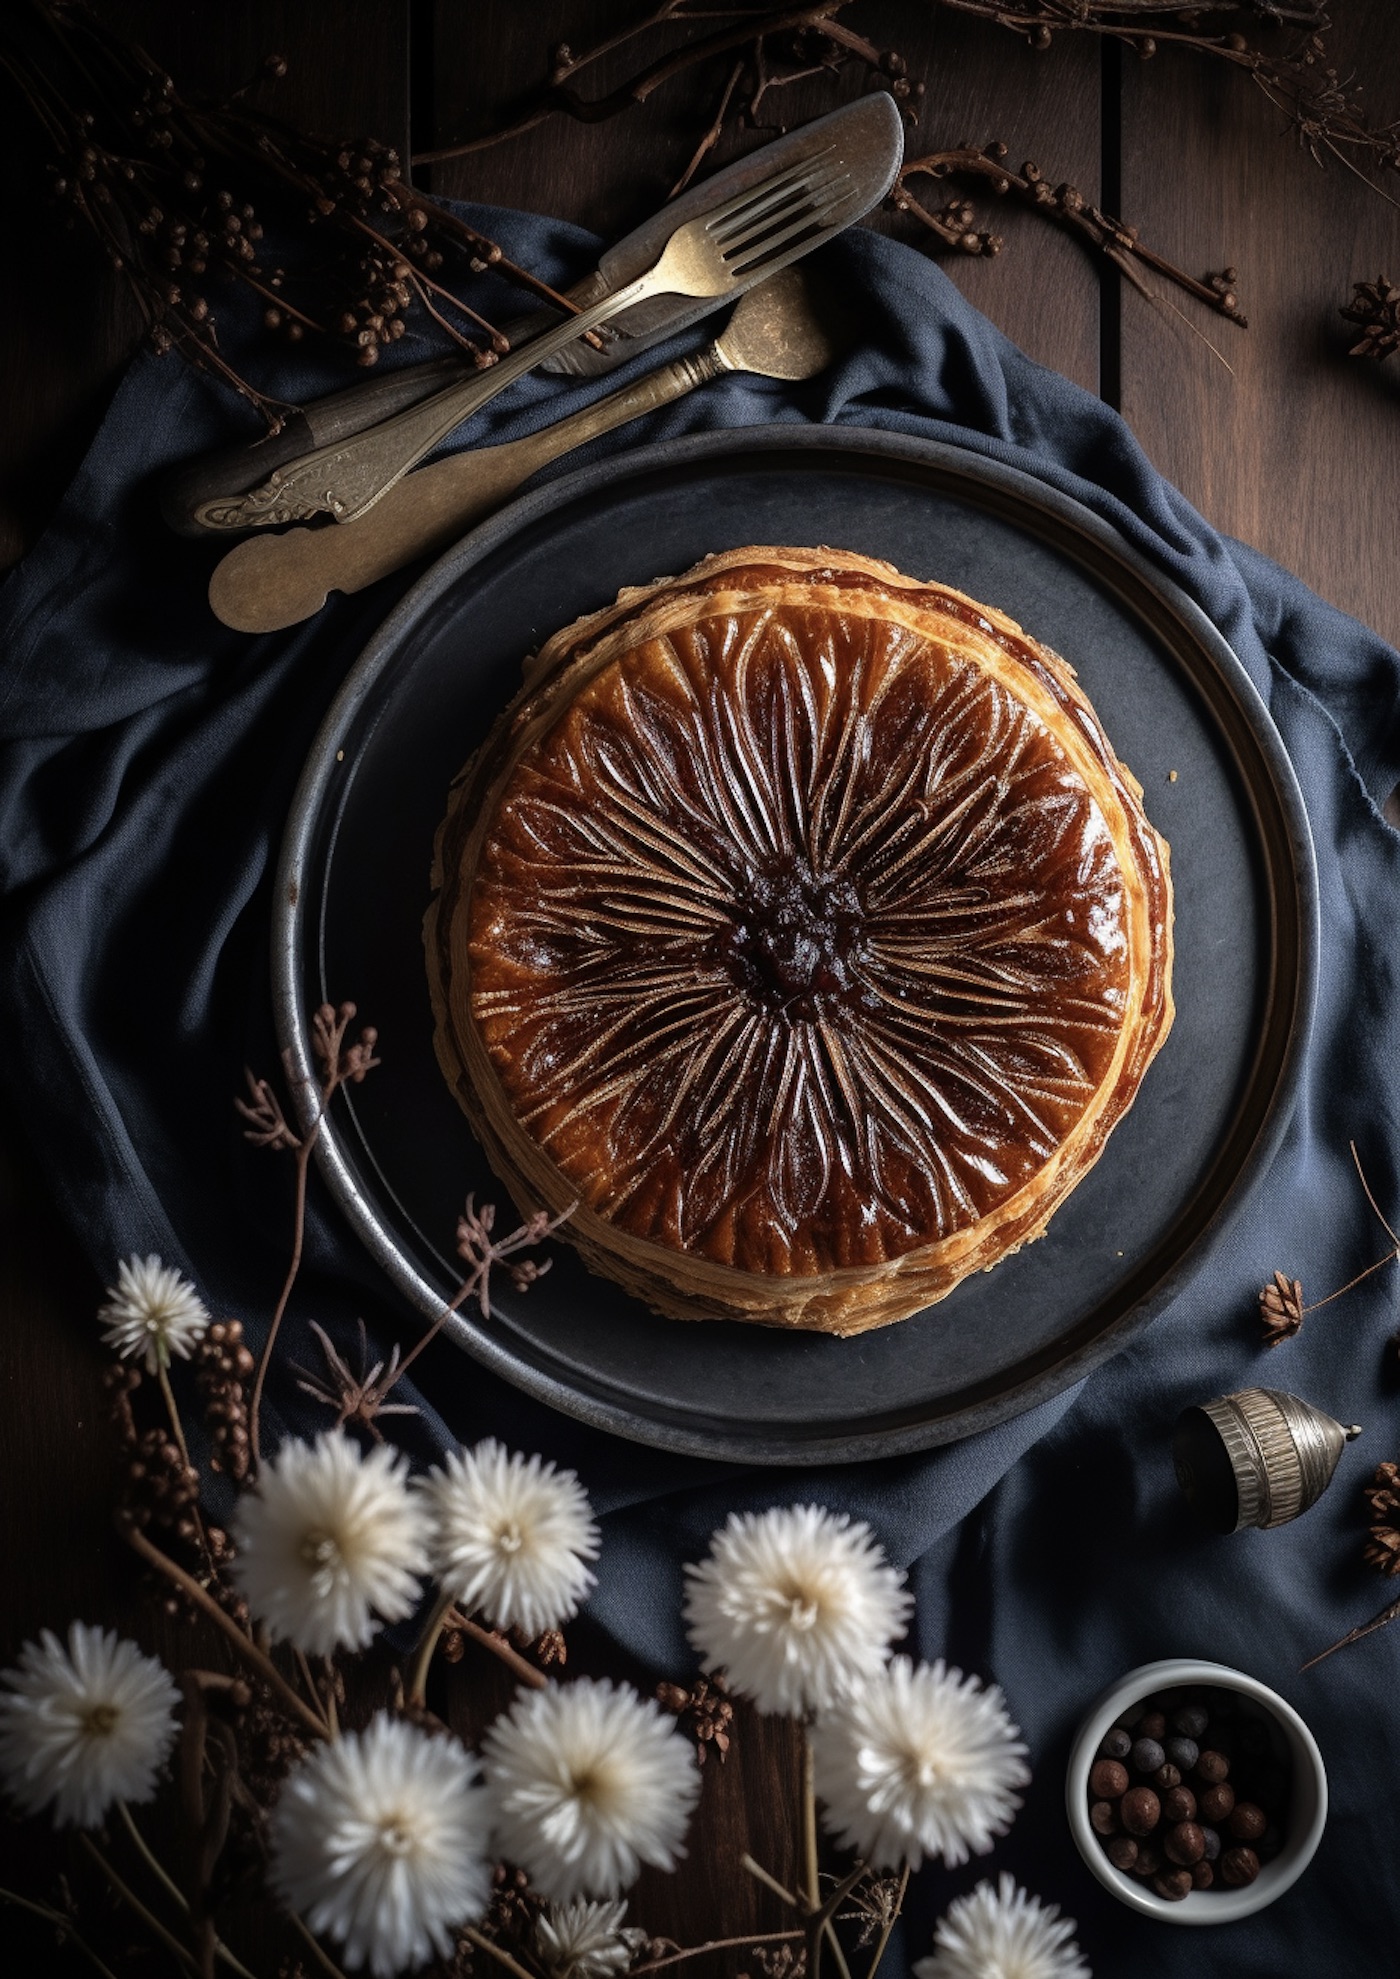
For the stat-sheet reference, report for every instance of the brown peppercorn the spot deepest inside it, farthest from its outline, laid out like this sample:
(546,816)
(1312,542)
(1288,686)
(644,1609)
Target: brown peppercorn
(1212,1767)
(1103,1818)
(1152,1724)
(1248,1822)
(1202,1875)
(1175,1885)
(1140,1811)
(1166,1777)
(1122,1851)
(1179,1805)
(1184,1844)
(1107,1779)
(1238,1866)
(1217,1803)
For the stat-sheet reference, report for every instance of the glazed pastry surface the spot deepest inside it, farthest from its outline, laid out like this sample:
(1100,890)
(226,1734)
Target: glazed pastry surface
(799,923)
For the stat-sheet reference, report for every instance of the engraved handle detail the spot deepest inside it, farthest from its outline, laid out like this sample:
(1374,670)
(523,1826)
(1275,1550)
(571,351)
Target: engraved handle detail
(271,582)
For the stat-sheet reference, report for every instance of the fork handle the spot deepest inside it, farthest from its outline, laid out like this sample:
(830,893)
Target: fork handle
(348,478)
(269,582)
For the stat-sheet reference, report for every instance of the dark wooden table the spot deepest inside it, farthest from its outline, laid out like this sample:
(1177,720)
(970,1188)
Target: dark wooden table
(1291,447)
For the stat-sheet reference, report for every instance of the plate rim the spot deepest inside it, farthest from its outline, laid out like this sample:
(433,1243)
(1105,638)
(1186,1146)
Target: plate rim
(979,478)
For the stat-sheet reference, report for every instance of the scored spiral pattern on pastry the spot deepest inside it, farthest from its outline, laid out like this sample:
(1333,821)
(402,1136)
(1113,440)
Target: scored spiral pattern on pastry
(797,939)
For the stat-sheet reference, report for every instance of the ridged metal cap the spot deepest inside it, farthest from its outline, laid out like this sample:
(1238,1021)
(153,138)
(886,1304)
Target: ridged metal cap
(1257,1457)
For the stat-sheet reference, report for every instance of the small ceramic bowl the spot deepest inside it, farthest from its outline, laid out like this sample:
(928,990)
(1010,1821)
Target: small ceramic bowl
(1307,1805)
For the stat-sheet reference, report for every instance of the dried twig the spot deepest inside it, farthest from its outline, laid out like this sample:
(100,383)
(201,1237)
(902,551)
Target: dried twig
(339,1064)
(177,190)
(1281,1307)
(1064,204)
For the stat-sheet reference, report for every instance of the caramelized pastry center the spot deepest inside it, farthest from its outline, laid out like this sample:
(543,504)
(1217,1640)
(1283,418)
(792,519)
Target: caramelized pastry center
(798,941)
(794,938)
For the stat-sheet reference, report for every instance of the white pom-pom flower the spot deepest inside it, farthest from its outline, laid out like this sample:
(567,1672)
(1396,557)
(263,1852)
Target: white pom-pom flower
(796,1605)
(330,1538)
(511,1537)
(154,1312)
(586,1940)
(589,1781)
(381,1840)
(1003,1933)
(84,1726)
(921,1760)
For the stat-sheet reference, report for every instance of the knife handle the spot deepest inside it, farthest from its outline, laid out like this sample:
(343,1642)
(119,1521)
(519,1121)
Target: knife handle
(234,470)
(270,582)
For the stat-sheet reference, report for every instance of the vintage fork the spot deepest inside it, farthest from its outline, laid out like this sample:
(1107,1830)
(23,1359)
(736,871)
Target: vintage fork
(758,231)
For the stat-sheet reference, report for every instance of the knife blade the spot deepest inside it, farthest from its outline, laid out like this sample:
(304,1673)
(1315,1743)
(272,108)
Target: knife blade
(868,127)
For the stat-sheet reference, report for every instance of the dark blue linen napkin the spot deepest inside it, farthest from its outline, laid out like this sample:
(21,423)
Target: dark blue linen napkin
(147,758)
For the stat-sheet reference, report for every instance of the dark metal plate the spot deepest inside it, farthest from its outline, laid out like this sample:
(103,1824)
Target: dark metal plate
(354,885)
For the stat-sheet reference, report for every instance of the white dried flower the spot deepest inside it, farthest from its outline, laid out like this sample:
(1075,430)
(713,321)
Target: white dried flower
(381,1839)
(153,1311)
(1003,1933)
(795,1605)
(330,1538)
(511,1537)
(920,1760)
(589,1781)
(586,1940)
(83,1727)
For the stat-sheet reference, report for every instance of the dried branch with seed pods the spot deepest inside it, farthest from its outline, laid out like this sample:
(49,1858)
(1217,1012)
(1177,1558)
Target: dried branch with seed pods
(187,198)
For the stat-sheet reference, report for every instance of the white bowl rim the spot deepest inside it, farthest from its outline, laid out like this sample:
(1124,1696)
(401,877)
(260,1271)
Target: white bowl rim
(1200,1906)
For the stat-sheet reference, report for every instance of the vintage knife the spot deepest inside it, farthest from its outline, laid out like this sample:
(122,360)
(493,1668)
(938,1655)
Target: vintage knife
(869,128)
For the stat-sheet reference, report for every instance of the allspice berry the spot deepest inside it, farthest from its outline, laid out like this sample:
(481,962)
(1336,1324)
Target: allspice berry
(1103,1818)
(1122,1851)
(1238,1866)
(1116,1744)
(1140,1811)
(1108,1779)
(1184,1844)
(1212,1767)
(1248,1822)
(1153,1725)
(1174,1885)
(1166,1777)
(1217,1803)
(1179,1805)
(1147,1755)
(1202,1875)
(1150,1860)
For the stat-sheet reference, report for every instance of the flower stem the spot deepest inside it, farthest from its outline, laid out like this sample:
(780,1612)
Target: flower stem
(60,1923)
(474,1937)
(885,1934)
(303,1158)
(178,1430)
(809,1820)
(497,1644)
(129,1897)
(152,1862)
(177,1427)
(316,1948)
(168,1883)
(418,1681)
(717,1945)
(770,1882)
(207,1605)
